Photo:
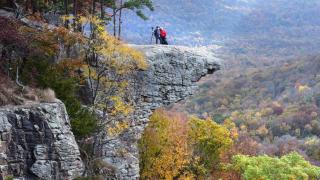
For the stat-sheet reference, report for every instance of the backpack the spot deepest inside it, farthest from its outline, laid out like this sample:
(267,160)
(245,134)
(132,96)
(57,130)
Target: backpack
(163,33)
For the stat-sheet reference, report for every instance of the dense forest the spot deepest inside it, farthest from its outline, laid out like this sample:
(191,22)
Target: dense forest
(260,122)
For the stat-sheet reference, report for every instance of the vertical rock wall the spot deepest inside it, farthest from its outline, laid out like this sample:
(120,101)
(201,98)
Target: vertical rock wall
(37,143)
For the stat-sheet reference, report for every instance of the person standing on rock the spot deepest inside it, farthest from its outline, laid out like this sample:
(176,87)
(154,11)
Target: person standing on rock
(156,33)
(163,36)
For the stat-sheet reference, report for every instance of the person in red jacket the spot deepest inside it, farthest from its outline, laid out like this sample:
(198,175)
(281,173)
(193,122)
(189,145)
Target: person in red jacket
(163,36)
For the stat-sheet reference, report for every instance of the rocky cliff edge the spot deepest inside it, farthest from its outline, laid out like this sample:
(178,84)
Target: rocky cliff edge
(172,75)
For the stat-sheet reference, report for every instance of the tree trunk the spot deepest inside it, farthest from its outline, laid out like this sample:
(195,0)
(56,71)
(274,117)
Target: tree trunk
(66,2)
(92,28)
(114,22)
(75,14)
(102,9)
(33,6)
(17,79)
(54,4)
(120,21)
(93,7)
(27,5)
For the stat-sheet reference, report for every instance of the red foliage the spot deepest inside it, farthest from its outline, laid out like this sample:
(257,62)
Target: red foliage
(10,37)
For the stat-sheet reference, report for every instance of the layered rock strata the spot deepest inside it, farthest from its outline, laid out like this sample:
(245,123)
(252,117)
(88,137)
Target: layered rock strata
(37,143)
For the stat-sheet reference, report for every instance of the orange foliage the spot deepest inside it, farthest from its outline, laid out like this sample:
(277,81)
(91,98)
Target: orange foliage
(165,147)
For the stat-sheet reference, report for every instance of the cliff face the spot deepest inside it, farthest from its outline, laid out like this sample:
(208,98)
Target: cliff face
(37,143)
(172,76)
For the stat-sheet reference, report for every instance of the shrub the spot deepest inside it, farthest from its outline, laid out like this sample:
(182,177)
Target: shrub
(8,178)
(290,166)
(43,74)
(47,95)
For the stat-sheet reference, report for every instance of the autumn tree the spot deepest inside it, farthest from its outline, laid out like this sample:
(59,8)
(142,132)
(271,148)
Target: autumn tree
(175,147)
(109,64)
(164,150)
(208,140)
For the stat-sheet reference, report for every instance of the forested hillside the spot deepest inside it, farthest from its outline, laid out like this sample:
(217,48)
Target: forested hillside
(275,108)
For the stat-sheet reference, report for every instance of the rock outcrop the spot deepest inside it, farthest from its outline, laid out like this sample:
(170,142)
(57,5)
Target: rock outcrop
(37,143)
(172,75)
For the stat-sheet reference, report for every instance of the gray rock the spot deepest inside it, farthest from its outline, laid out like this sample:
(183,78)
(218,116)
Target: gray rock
(45,169)
(40,152)
(39,143)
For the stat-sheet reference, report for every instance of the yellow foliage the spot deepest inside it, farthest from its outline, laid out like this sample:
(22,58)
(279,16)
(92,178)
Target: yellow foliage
(176,148)
(228,123)
(258,115)
(243,127)
(65,18)
(266,111)
(109,63)
(314,115)
(164,148)
(235,114)
(262,130)
(302,88)
(89,72)
(208,141)
(117,128)
(120,106)
(114,53)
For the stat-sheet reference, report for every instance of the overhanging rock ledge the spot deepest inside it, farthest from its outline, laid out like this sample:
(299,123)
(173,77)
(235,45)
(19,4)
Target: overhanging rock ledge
(172,75)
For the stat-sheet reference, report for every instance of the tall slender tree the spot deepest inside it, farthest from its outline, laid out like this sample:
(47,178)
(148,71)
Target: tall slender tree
(75,14)
(102,11)
(137,6)
(118,6)
(66,12)
(120,20)
(114,20)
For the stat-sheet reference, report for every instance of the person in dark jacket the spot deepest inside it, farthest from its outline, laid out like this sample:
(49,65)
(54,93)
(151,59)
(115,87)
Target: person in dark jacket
(156,34)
